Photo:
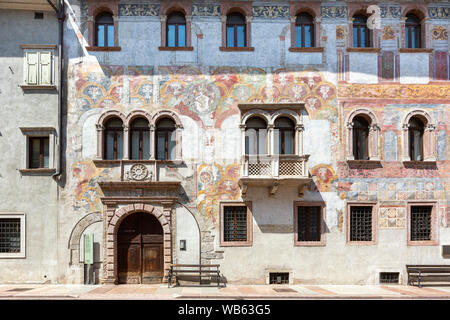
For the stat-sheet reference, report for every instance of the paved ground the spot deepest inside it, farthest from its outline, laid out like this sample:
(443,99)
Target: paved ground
(259,292)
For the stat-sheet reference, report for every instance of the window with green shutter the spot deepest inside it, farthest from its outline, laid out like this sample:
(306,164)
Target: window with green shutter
(38,68)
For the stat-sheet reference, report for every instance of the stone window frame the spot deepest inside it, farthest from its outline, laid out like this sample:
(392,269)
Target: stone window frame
(39,48)
(323,224)
(244,8)
(30,132)
(429,136)
(421,11)
(22,217)
(270,120)
(374,133)
(358,8)
(95,8)
(167,7)
(374,206)
(434,223)
(249,241)
(312,8)
(126,121)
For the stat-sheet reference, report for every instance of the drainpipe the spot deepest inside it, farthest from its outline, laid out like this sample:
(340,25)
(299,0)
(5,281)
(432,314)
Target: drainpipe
(60,12)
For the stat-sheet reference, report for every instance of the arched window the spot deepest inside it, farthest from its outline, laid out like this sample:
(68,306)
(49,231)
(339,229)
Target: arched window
(165,139)
(255,136)
(284,135)
(304,31)
(360,138)
(139,139)
(415,132)
(113,136)
(176,30)
(361,34)
(104,30)
(412,31)
(236,30)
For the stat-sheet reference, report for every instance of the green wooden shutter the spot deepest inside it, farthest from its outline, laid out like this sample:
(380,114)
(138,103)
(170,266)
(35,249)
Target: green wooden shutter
(32,67)
(45,68)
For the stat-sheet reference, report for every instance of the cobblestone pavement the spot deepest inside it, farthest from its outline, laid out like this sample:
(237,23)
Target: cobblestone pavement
(252,292)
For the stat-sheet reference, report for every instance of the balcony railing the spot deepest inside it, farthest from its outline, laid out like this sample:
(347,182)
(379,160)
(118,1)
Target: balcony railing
(275,166)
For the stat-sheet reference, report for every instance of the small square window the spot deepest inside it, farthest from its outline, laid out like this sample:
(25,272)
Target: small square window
(361,223)
(422,223)
(12,235)
(39,152)
(389,277)
(236,222)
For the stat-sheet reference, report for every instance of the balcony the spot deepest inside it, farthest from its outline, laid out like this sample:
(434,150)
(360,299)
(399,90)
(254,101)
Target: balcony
(273,171)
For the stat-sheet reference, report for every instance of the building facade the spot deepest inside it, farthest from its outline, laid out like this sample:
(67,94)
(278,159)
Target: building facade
(289,142)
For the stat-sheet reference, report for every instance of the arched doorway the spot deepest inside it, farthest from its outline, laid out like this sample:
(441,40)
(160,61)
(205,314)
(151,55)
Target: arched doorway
(140,249)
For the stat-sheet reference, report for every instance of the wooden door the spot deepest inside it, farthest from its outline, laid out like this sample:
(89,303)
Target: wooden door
(140,249)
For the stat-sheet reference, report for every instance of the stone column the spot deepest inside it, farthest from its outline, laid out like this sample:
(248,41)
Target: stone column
(244,164)
(248,27)
(116,30)
(178,151)
(405,146)
(270,140)
(429,143)
(350,141)
(317,39)
(402,32)
(152,141)
(126,140)
(188,30)
(299,128)
(374,130)
(91,31)
(292,22)
(223,20)
(163,20)
(100,129)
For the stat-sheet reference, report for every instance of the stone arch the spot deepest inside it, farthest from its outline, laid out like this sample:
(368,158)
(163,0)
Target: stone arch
(169,114)
(255,113)
(374,131)
(285,113)
(429,136)
(112,227)
(110,114)
(138,113)
(178,125)
(101,128)
(77,231)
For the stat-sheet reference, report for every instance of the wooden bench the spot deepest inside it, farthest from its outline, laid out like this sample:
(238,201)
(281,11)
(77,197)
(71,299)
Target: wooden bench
(427,273)
(197,270)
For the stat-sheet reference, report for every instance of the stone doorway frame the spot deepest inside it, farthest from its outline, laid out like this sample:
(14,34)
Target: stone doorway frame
(114,217)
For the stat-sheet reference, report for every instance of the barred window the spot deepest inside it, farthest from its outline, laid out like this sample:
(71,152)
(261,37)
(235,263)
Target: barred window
(421,223)
(235,223)
(361,223)
(10,229)
(308,224)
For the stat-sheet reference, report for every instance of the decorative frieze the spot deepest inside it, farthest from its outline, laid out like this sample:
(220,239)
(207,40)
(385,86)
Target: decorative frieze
(205,10)
(439,13)
(271,12)
(439,33)
(333,12)
(390,12)
(140,10)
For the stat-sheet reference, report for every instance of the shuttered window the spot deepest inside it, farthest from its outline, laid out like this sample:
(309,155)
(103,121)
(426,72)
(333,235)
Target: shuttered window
(38,67)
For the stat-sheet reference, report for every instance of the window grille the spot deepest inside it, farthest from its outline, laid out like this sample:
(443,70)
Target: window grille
(10,235)
(421,223)
(361,224)
(235,223)
(279,278)
(389,277)
(308,224)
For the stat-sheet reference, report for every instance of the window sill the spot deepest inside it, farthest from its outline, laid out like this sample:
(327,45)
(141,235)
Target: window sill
(309,243)
(38,171)
(37,87)
(176,48)
(423,243)
(236,244)
(361,243)
(103,48)
(364,164)
(236,49)
(419,164)
(367,50)
(102,162)
(18,255)
(415,50)
(310,49)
